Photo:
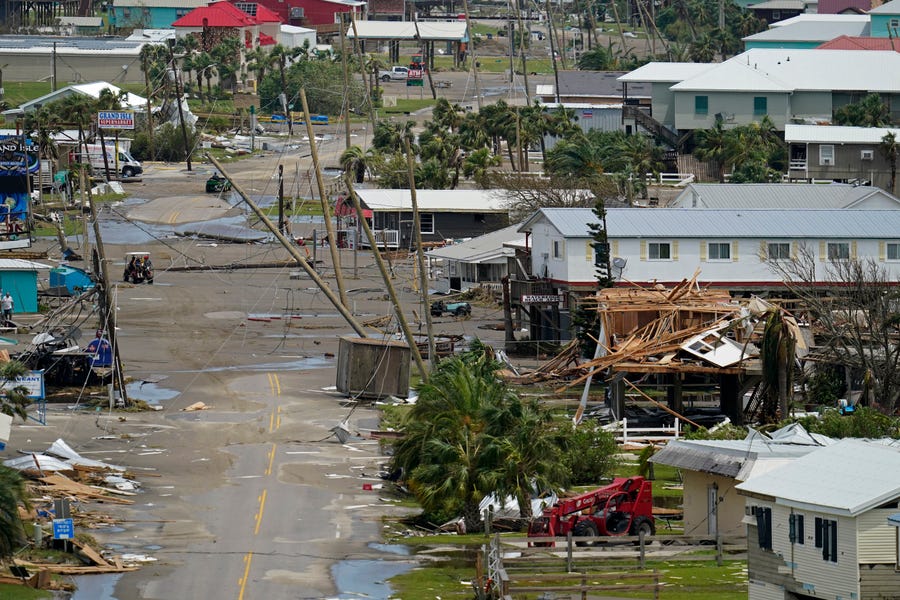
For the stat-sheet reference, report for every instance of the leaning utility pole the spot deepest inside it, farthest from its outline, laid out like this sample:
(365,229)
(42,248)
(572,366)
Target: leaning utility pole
(392,293)
(107,308)
(522,47)
(420,254)
(184,135)
(149,111)
(362,69)
(553,48)
(426,57)
(472,53)
(346,103)
(326,209)
(304,264)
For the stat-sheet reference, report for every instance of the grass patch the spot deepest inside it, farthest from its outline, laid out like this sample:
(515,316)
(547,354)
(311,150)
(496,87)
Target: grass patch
(433,582)
(409,105)
(20,592)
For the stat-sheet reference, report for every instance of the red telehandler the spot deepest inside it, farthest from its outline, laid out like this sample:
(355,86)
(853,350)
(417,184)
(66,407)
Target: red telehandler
(624,507)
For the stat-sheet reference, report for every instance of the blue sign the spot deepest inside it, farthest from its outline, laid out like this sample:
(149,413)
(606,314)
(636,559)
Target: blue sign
(63,529)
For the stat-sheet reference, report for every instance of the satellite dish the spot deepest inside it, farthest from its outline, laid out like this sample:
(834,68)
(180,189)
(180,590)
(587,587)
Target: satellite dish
(618,262)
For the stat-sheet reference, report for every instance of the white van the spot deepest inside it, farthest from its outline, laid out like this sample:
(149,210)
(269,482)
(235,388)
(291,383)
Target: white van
(124,165)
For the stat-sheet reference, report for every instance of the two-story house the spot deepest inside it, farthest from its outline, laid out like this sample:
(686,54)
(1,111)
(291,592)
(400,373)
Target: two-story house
(151,14)
(787,86)
(819,526)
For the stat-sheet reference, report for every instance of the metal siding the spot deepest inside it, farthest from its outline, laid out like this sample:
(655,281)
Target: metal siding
(877,540)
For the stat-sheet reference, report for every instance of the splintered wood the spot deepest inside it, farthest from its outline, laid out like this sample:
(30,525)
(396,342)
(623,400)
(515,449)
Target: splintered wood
(645,329)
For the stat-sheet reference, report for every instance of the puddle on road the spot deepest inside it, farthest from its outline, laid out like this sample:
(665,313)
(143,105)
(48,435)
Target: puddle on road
(150,392)
(95,587)
(302,364)
(366,578)
(209,416)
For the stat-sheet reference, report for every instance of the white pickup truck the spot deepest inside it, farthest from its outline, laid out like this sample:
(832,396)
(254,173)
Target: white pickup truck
(396,73)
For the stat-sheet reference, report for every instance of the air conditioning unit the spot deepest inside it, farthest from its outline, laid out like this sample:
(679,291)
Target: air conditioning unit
(297,12)
(867,154)
(827,161)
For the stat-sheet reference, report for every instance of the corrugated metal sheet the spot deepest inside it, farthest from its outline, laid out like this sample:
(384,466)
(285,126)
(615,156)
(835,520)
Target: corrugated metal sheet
(384,30)
(808,32)
(835,134)
(858,479)
(800,70)
(820,18)
(775,196)
(665,71)
(19,264)
(734,224)
(477,248)
(481,201)
(37,43)
(779,5)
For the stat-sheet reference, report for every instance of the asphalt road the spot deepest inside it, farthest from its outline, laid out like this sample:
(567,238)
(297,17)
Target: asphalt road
(252,498)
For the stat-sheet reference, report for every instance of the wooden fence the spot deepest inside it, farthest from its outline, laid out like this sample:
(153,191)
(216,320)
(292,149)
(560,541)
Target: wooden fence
(513,566)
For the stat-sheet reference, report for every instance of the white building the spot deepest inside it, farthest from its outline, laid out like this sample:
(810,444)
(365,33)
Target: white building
(734,248)
(819,527)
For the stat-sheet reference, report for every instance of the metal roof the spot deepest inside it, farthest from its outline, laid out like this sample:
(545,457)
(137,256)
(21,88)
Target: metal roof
(483,248)
(836,134)
(664,72)
(37,44)
(846,42)
(888,8)
(20,264)
(477,201)
(820,18)
(160,3)
(725,223)
(92,90)
(779,5)
(406,30)
(597,84)
(777,69)
(81,21)
(849,477)
(777,196)
(740,458)
(151,35)
(810,31)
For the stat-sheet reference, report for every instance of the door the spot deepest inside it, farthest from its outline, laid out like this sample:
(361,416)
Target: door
(712,509)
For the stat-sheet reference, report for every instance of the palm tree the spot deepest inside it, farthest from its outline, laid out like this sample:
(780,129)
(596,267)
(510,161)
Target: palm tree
(890,150)
(389,136)
(576,157)
(447,116)
(477,163)
(227,56)
(777,356)
(12,494)
(259,60)
(711,147)
(354,160)
(14,401)
(466,428)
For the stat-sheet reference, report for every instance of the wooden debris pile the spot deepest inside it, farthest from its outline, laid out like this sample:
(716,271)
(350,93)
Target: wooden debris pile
(61,479)
(656,330)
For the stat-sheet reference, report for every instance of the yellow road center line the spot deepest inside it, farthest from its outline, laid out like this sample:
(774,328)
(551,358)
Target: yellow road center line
(272,422)
(247,560)
(277,384)
(271,460)
(278,418)
(259,515)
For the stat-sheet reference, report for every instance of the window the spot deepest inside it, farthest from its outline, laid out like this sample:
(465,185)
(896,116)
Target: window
(895,23)
(559,249)
(778,251)
(760,106)
(660,251)
(601,254)
(795,529)
(426,222)
(826,155)
(826,538)
(892,250)
(763,527)
(867,154)
(838,251)
(719,251)
(776,15)
(701,105)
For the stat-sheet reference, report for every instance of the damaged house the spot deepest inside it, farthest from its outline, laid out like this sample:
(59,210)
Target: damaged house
(819,526)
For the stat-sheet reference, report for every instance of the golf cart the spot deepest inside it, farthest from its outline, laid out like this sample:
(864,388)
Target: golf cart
(216,184)
(138,267)
(457,309)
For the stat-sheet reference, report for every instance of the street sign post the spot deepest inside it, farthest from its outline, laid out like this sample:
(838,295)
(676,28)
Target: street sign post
(63,529)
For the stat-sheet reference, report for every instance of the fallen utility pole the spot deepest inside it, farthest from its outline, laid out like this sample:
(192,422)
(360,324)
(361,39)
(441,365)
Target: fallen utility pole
(304,264)
(323,198)
(392,293)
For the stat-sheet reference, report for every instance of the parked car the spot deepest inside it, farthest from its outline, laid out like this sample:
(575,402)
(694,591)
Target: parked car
(395,73)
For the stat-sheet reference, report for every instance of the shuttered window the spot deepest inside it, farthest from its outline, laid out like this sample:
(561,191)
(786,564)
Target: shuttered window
(659,251)
(892,251)
(796,534)
(764,527)
(719,250)
(826,538)
(838,251)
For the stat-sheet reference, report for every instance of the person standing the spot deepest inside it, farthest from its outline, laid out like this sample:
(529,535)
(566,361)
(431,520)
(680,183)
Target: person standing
(6,305)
